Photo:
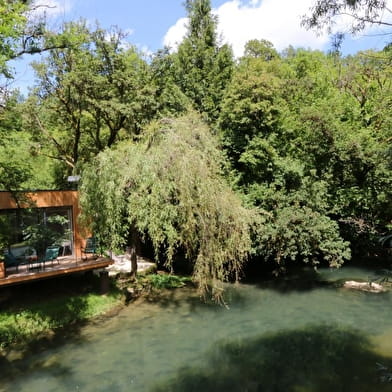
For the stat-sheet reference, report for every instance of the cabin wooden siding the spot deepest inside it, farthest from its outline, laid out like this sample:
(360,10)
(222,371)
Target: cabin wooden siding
(42,199)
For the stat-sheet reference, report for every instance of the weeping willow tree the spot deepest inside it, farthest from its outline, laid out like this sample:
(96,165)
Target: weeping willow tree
(170,187)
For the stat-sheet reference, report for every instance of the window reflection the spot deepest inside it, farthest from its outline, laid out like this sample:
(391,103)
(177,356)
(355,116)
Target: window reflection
(26,232)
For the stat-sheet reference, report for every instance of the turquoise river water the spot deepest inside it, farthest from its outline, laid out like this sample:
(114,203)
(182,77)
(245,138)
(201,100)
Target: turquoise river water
(288,335)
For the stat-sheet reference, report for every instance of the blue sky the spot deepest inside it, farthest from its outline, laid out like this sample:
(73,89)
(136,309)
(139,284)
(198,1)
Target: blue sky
(153,23)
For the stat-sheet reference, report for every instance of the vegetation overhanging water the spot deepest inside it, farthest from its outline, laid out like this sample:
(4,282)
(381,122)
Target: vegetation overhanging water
(297,334)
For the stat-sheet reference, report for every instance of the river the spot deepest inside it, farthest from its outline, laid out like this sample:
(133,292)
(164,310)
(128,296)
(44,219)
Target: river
(285,335)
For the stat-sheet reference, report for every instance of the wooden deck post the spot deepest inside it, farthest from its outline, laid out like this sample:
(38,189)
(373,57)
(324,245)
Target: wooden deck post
(105,281)
(2,269)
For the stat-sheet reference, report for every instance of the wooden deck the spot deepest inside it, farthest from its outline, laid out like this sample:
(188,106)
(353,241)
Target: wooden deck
(66,265)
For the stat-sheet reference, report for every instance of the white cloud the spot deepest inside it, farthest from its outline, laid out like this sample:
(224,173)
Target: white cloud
(176,33)
(278,21)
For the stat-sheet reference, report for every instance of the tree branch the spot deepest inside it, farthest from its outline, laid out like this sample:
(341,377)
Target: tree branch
(36,50)
(364,19)
(64,156)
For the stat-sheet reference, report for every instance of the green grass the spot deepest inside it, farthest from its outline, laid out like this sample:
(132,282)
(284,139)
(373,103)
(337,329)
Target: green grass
(25,322)
(39,310)
(164,281)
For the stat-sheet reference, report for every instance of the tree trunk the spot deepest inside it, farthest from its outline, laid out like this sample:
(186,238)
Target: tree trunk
(133,250)
(131,255)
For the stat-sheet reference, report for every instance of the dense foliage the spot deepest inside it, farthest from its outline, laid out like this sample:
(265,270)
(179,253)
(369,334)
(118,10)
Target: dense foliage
(303,138)
(314,153)
(202,68)
(171,189)
(12,24)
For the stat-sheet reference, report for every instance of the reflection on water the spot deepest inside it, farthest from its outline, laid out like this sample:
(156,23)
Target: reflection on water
(318,358)
(285,336)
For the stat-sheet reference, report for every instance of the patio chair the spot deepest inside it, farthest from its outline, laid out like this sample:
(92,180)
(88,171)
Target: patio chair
(51,254)
(11,261)
(90,248)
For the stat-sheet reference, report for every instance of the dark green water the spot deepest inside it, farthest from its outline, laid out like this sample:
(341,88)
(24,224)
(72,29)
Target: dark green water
(284,336)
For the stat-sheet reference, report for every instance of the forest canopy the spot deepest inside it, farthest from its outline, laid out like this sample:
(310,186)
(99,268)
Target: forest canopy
(279,157)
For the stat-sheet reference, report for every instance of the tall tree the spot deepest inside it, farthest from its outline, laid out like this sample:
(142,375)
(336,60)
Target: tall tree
(260,48)
(90,95)
(265,144)
(14,171)
(13,22)
(20,33)
(169,97)
(203,67)
(23,33)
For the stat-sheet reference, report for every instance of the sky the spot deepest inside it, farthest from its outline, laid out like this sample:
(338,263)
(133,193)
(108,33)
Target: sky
(152,24)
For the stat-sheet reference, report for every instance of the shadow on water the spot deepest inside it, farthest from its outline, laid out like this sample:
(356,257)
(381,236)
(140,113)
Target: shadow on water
(18,363)
(313,359)
(169,299)
(296,280)
(13,370)
(300,278)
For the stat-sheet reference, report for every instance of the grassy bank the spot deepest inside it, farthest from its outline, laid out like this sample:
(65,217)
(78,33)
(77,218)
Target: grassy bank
(34,311)
(41,309)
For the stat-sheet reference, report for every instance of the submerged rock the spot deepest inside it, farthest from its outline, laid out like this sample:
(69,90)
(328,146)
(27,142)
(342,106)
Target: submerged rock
(371,287)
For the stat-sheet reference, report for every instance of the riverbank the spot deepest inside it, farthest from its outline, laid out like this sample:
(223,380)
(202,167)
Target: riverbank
(46,309)
(31,312)
(42,310)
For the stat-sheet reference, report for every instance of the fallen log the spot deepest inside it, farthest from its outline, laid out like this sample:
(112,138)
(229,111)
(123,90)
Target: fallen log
(370,287)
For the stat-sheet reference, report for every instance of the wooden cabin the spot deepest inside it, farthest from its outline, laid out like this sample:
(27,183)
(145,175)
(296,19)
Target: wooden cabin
(22,216)
(48,203)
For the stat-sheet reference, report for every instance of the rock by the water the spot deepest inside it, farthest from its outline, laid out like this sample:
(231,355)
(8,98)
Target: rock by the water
(371,287)
(123,265)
